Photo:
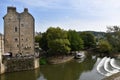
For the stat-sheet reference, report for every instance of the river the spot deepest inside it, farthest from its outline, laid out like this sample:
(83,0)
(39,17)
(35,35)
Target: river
(72,70)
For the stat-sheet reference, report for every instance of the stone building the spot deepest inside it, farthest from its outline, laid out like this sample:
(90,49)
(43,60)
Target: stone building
(1,43)
(18,38)
(2,70)
(1,46)
(18,32)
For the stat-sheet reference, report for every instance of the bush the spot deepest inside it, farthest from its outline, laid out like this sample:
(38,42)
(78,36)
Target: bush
(104,47)
(43,61)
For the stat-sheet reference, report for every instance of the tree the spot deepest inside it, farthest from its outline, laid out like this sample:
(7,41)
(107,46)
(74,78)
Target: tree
(104,46)
(56,33)
(44,42)
(89,39)
(113,36)
(76,43)
(37,38)
(57,41)
(59,46)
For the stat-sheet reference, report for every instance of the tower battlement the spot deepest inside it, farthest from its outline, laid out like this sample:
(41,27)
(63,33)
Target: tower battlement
(11,9)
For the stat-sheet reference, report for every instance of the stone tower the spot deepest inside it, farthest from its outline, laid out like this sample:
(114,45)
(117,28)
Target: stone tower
(2,67)
(18,32)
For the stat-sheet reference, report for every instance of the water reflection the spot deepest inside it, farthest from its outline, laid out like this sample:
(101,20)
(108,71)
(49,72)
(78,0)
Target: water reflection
(92,74)
(23,75)
(73,70)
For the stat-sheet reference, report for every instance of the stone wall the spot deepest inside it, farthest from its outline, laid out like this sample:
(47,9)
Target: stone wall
(20,64)
(2,68)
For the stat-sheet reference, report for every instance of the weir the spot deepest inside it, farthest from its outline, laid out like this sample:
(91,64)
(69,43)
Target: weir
(107,67)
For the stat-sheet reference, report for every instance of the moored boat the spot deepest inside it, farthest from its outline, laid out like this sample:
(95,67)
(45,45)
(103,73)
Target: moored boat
(80,55)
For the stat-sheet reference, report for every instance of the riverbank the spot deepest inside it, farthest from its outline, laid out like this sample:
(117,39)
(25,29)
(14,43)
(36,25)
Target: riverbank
(113,77)
(60,59)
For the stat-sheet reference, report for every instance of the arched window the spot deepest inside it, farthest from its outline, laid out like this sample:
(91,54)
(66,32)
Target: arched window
(16,29)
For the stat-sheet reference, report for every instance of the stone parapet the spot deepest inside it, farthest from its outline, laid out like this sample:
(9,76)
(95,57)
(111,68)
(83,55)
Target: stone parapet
(21,64)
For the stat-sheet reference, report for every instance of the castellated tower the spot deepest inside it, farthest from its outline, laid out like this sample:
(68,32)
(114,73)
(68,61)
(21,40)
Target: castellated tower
(18,32)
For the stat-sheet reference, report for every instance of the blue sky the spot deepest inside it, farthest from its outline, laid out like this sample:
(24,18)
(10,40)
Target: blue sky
(79,15)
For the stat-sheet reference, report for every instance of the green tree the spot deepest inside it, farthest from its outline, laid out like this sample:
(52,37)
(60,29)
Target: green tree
(56,33)
(89,39)
(113,36)
(75,40)
(37,38)
(59,46)
(57,41)
(104,46)
(44,42)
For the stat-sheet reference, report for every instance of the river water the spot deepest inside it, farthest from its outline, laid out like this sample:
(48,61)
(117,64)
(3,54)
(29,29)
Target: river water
(72,70)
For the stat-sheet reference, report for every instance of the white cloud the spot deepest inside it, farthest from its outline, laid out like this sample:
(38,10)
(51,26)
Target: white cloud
(42,3)
(92,7)
(100,13)
(78,25)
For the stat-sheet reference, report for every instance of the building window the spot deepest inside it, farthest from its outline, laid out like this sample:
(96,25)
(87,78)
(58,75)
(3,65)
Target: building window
(17,45)
(22,25)
(16,39)
(16,29)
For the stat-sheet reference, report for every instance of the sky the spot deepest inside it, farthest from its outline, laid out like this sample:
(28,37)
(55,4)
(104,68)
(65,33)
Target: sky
(79,15)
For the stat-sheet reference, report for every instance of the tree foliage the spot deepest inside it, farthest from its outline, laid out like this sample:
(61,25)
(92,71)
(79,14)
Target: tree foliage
(57,41)
(37,38)
(76,43)
(89,39)
(113,36)
(59,46)
(104,46)
(44,42)
(56,33)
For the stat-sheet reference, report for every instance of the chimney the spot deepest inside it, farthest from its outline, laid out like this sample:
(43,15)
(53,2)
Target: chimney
(11,9)
(25,9)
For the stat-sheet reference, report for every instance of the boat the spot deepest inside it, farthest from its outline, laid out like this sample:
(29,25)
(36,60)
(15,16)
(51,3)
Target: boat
(80,55)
